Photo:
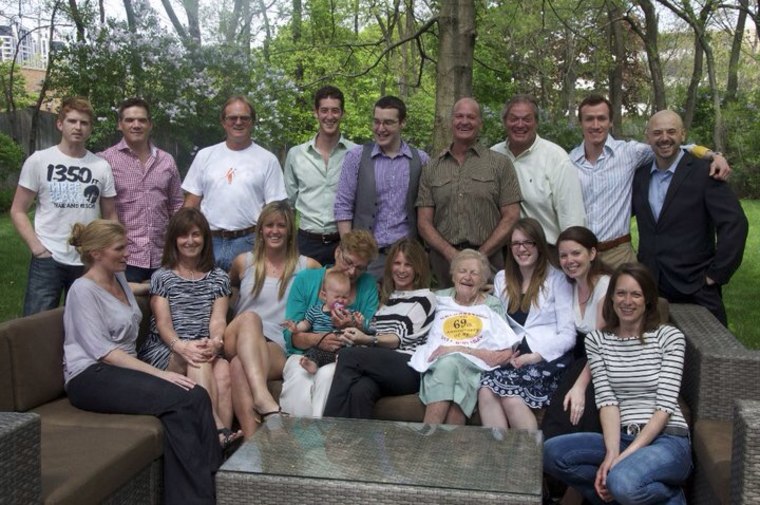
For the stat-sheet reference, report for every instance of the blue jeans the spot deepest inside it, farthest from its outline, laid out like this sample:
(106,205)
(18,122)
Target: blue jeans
(652,474)
(47,279)
(138,274)
(227,249)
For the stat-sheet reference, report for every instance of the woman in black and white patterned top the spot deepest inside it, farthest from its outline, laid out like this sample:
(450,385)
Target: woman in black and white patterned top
(644,454)
(189,300)
(376,364)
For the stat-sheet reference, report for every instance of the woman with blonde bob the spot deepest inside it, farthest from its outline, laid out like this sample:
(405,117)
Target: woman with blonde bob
(102,373)
(303,393)
(377,363)
(253,340)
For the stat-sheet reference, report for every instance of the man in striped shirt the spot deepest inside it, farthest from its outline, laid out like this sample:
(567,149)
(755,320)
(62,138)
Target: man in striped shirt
(606,167)
(148,188)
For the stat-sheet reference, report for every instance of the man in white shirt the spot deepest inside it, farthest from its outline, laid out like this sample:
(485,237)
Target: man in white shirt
(549,184)
(232,181)
(312,170)
(605,167)
(71,186)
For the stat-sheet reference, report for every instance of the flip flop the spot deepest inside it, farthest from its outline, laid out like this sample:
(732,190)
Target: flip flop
(230,440)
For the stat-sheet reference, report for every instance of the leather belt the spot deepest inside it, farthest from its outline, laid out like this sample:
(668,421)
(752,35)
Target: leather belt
(634,429)
(233,233)
(325,238)
(465,245)
(609,244)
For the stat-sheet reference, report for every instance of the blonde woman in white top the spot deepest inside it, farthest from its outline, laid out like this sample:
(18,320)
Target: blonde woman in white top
(253,340)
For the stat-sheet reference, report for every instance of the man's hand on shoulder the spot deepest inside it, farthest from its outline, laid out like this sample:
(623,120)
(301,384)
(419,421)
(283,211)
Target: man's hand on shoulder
(719,168)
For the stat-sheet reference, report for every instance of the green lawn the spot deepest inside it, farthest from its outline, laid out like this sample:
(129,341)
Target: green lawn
(739,295)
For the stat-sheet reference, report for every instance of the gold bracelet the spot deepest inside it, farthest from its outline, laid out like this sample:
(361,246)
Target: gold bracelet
(173,343)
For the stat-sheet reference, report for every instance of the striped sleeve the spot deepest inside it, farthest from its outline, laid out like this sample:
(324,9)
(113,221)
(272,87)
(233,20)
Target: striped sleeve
(604,395)
(408,317)
(673,346)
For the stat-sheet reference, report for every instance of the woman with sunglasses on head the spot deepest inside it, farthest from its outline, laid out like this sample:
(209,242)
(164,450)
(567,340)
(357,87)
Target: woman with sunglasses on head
(305,394)
(538,301)
(643,454)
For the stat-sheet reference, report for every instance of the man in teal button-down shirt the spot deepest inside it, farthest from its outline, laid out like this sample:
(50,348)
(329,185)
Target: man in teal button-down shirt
(312,170)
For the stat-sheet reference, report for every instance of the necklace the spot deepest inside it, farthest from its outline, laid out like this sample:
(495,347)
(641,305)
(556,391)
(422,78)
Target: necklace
(188,273)
(274,270)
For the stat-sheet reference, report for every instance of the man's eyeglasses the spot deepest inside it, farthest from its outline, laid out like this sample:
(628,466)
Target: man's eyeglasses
(527,244)
(231,120)
(388,123)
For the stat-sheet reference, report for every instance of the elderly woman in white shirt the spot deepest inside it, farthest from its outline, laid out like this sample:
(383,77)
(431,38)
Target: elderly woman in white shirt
(538,301)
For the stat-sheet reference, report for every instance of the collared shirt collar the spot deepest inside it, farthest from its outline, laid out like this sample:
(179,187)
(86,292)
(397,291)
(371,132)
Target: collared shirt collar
(672,167)
(342,141)
(607,150)
(528,150)
(404,150)
(124,147)
(477,148)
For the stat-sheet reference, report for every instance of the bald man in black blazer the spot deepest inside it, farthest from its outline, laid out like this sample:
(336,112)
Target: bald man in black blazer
(692,229)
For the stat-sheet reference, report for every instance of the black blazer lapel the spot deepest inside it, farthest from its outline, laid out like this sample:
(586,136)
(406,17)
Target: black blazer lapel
(682,172)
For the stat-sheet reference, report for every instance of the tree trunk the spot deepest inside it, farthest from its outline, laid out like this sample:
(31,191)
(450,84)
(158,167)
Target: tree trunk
(456,45)
(131,18)
(696,77)
(267,31)
(296,24)
(181,32)
(193,24)
(77,18)
(649,37)
(699,25)
(617,50)
(234,22)
(45,82)
(736,47)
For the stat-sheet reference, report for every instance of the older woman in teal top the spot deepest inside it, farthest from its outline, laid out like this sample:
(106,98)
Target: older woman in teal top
(304,394)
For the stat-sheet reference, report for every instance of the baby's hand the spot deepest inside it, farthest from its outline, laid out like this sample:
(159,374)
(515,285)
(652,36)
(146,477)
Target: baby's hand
(290,326)
(358,319)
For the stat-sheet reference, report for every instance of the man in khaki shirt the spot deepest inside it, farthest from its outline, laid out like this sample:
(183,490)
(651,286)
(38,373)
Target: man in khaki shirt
(469,196)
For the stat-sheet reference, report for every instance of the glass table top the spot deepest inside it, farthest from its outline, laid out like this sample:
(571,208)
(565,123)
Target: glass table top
(442,456)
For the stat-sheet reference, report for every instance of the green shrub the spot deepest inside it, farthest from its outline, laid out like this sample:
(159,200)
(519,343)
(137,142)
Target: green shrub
(11,157)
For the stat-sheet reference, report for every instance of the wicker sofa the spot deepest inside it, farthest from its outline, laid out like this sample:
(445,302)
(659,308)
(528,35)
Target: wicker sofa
(51,452)
(85,457)
(720,385)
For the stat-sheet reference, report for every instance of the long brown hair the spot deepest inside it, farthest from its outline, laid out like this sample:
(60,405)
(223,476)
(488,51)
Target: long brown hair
(282,209)
(415,255)
(588,240)
(181,223)
(640,274)
(513,285)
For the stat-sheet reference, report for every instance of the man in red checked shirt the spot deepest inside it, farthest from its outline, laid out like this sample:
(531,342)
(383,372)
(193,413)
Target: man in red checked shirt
(148,188)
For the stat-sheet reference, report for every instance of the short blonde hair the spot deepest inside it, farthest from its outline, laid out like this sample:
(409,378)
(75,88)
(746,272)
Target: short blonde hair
(95,236)
(360,243)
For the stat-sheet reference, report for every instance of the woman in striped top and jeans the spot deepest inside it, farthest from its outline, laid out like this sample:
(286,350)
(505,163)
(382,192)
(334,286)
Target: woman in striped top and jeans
(377,364)
(644,454)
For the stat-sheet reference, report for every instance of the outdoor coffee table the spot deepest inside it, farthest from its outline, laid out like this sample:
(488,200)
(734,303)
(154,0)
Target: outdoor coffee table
(346,461)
